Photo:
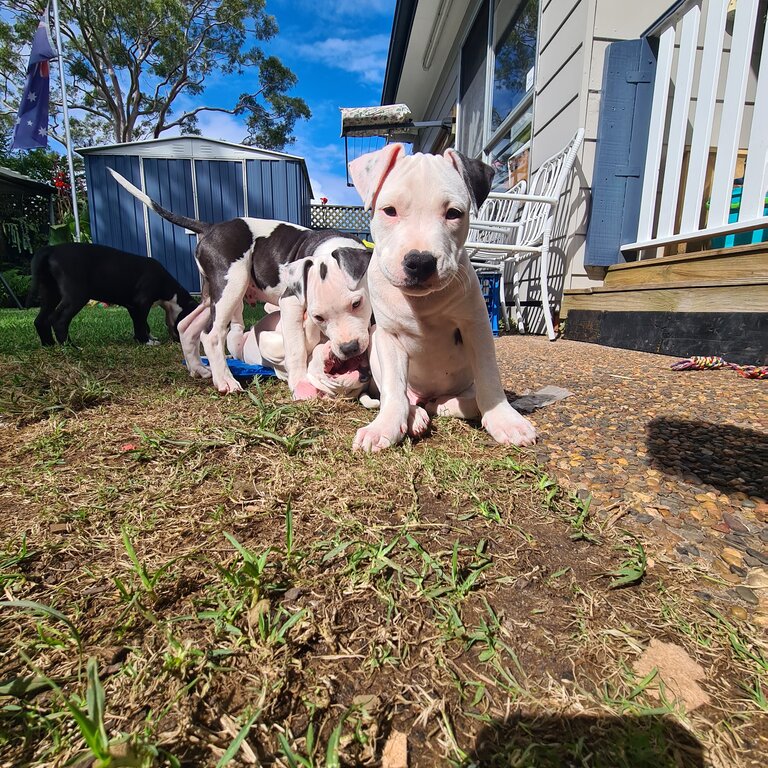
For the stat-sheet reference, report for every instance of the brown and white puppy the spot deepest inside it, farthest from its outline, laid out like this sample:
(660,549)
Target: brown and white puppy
(432,348)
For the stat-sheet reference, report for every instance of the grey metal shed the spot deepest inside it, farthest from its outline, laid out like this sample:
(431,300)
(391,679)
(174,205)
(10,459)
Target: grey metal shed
(206,179)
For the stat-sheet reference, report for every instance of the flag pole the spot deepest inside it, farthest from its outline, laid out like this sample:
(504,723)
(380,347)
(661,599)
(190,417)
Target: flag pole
(67,136)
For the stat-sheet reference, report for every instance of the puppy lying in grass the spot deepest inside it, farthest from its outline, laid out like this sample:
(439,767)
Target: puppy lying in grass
(331,376)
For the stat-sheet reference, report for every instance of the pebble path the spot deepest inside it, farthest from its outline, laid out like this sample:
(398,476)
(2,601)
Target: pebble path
(682,457)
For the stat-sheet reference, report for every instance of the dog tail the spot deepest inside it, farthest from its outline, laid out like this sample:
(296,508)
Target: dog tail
(174,218)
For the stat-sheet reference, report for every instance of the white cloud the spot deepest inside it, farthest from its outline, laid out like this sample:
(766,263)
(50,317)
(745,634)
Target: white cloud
(365,57)
(341,10)
(333,187)
(219,125)
(327,173)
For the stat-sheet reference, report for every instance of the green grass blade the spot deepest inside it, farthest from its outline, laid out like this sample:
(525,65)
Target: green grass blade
(332,759)
(45,610)
(234,747)
(95,700)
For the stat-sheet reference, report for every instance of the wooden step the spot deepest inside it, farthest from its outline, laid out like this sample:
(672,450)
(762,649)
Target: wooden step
(748,294)
(743,262)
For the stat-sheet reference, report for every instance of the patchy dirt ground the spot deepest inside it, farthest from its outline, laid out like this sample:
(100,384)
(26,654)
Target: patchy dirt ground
(193,580)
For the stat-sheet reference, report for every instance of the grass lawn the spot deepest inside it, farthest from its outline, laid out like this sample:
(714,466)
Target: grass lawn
(196,580)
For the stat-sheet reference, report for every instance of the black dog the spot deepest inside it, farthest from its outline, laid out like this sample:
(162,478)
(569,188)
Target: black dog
(66,276)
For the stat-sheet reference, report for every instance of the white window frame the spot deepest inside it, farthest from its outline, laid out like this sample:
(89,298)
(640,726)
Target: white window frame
(526,102)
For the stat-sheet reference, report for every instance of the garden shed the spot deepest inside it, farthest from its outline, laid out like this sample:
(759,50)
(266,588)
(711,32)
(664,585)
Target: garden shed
(202,178)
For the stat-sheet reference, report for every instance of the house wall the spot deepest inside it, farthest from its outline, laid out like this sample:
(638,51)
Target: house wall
(442,103)
(573,37)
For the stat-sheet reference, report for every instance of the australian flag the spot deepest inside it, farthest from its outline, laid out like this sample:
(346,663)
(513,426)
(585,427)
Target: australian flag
(32,121)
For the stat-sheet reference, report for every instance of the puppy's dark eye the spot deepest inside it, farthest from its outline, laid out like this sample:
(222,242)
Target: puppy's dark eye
(454,213)
(357,303)
(319,319)
(390,210)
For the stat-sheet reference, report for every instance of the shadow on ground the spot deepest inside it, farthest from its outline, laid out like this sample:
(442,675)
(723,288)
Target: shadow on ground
(729,458)
(559,741)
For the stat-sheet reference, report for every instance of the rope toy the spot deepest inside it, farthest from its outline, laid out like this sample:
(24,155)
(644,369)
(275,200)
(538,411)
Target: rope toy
(712,363)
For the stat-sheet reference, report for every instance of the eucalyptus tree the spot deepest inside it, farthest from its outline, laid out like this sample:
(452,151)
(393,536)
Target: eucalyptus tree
(137,68)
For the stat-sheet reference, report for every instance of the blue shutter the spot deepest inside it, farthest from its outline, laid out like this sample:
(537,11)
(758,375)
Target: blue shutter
(622,139)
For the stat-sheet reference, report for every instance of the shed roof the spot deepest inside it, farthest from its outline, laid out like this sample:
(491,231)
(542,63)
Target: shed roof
(187,147)
(194,148)
(11,181)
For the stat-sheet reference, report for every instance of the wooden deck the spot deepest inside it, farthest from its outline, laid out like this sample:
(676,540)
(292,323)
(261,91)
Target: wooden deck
(709,302)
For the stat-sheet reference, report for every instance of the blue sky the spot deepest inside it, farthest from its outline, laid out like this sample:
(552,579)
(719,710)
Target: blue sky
(338,51)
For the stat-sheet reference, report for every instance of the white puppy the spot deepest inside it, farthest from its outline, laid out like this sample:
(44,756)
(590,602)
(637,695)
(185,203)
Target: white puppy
(432,349)
(264,345)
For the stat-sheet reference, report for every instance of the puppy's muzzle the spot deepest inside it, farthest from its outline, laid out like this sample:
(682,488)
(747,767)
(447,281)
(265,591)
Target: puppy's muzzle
(419,266)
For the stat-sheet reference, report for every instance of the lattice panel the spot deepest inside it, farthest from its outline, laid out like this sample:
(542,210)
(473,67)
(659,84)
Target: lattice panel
(346,218)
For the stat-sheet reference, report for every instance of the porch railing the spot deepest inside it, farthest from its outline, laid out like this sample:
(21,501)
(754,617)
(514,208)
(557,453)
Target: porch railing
(687,201)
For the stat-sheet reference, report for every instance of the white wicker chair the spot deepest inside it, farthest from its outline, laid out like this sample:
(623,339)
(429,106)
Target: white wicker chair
(512,227)
(495,219)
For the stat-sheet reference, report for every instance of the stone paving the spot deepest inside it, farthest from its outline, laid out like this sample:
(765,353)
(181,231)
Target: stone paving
(678,457)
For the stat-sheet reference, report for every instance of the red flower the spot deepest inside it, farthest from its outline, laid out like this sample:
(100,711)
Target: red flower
(128,447)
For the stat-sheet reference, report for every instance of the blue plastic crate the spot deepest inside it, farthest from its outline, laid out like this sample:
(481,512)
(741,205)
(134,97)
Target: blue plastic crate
(743,238)
(489,285)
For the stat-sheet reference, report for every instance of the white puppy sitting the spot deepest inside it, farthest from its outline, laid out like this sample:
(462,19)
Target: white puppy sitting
(432,349)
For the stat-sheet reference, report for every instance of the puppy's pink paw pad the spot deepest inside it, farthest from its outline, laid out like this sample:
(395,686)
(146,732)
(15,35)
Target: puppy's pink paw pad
(305,391)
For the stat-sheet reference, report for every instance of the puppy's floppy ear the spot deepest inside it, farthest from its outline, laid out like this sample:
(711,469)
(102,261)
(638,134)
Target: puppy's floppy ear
(353,262)
(369,171)
(295,276)
(477,175)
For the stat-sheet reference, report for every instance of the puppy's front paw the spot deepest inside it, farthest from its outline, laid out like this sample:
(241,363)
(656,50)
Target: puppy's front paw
(418,421)
(152,342)
(507,426)
(305,390)
(228,385)
(377,436)
(200,372)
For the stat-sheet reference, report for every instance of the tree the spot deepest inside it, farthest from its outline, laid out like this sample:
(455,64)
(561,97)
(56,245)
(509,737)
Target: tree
(130,61)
